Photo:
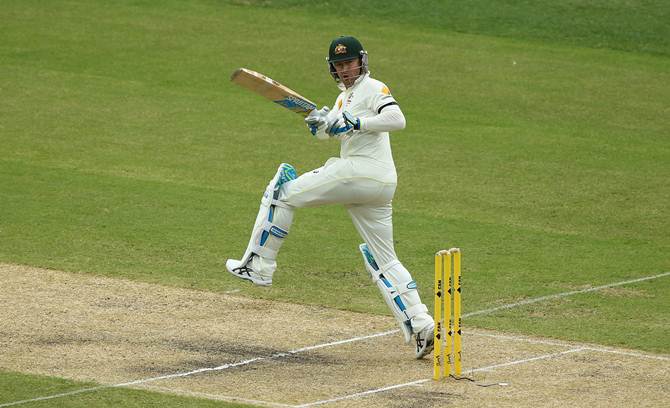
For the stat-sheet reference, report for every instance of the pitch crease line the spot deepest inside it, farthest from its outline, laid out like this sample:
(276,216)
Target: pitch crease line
(216,397)
(201,370)
(628,353)
(567,344)
(362,394)
(562,295)
(65,394)
(425,380)
(529,360)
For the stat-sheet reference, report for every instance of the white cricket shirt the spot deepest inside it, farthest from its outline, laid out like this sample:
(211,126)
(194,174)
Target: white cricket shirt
(366,99)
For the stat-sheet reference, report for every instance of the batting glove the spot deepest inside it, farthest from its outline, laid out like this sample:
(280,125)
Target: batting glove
(338,127)
(316,119)
(351,120)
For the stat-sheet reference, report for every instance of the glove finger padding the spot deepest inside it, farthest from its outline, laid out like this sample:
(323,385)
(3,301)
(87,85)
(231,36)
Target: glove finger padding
(313,118)
(316,122)
(351,120)
(338,126)
(317,117)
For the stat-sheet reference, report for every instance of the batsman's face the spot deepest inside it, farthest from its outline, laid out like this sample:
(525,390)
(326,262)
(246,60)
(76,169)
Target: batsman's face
(348,71)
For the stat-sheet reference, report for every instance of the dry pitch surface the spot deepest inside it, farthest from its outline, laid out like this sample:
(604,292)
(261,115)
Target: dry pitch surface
(227,347)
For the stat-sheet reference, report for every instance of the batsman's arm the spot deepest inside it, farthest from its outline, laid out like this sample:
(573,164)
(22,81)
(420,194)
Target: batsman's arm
(387,115)
(388,120)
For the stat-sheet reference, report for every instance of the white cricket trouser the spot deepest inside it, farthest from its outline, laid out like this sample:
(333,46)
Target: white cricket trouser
(364,189)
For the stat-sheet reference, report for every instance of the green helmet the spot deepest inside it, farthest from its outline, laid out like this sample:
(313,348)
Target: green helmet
(345,48)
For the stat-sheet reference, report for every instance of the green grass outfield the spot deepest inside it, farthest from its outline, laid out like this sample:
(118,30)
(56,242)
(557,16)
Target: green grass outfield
(16,387)
(540,145)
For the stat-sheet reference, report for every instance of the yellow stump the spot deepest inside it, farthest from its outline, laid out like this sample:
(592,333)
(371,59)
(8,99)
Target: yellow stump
(447,334)
(437,334)
(457,311)
(447,315)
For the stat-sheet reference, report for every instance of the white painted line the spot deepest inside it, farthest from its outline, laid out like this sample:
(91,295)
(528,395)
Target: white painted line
(566,344)
(217,397)
(339,342)
(425,380)
(362,394)
(628,353)
(528,360)
(521,339)
(202,370)
(562,295)
(65,394)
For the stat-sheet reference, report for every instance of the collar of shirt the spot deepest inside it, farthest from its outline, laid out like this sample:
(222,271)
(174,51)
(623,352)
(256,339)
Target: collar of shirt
(356,82)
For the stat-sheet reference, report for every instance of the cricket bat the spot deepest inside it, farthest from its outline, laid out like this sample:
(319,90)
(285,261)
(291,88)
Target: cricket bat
(273,91)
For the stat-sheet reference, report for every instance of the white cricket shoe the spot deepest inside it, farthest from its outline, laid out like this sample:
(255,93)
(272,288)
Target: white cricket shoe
(424,341)
(247,272)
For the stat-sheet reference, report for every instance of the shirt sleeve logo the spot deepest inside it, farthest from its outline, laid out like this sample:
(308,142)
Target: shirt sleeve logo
(386,90)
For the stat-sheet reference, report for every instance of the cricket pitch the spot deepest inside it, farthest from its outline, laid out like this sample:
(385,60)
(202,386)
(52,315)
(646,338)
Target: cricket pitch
(233,348)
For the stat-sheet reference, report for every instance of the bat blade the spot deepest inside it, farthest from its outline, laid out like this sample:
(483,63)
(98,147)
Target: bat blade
(273,90)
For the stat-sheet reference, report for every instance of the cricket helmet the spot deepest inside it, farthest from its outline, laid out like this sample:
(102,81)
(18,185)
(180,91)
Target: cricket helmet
(346,48)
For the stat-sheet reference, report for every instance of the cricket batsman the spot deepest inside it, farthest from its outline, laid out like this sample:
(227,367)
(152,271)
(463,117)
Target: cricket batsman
(363,179)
